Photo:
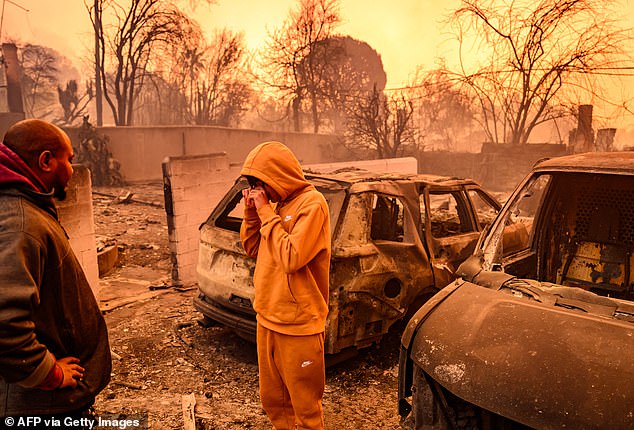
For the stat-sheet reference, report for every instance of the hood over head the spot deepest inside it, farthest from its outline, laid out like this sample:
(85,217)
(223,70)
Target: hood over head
(14,171)
(275,164)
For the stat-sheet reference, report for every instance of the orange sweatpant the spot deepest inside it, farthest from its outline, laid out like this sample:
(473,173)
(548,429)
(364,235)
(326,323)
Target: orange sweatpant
(292,379)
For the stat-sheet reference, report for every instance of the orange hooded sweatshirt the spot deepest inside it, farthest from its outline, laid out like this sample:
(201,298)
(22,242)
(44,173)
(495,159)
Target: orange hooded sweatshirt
(291,240)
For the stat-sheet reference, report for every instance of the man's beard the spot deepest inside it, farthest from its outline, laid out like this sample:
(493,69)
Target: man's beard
(59,193)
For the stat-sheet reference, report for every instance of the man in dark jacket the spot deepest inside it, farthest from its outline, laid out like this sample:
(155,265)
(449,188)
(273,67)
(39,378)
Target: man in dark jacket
(54,350)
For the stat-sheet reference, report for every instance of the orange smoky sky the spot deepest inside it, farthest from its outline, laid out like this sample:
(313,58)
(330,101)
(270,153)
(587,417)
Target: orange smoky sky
(406,33)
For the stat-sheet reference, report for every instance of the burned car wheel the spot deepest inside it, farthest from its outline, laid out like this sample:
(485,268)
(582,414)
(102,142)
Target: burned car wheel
(427,412)
(435,408)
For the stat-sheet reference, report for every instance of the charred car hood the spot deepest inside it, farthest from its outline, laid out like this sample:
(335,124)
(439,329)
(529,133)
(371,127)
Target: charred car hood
(531,336)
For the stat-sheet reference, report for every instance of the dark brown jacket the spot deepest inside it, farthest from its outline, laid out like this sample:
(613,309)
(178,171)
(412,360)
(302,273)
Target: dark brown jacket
(46,307)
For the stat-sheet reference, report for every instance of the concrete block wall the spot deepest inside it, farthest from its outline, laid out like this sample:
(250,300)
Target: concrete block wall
(76,216)
(497,167)
(141,150)
(193,186)
(399,165)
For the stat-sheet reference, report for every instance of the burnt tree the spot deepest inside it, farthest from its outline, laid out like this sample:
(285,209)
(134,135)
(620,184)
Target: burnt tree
(288,60)
(533,53)
(381,123)
(142,29)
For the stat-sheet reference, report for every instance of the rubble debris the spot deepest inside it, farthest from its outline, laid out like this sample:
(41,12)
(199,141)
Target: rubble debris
(206,322)
(159,287)
(107,257)
(127,197)
(189,418)
(174,286)
(103,242)
(176,329)
(128,384)
(93,152)
(124,301)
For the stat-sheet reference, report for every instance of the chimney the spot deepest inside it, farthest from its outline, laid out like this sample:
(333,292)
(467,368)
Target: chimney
(12,71)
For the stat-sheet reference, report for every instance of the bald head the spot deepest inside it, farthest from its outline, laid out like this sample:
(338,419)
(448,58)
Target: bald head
(46,149)
(29,138)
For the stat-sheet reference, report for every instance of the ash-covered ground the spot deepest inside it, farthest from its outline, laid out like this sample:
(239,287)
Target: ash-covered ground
(162,354)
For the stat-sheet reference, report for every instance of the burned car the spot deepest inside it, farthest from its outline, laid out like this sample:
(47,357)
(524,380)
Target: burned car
(536,333)
(395,237)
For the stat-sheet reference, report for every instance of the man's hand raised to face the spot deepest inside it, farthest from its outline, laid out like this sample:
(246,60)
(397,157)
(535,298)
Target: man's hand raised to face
(259,197)
(248,201)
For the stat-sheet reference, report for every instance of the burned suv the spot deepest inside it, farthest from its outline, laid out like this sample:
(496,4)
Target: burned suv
(395,237)
(538,332)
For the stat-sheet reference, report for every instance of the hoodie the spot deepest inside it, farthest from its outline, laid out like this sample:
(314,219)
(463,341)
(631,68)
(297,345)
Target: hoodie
(291,243)
(14,171)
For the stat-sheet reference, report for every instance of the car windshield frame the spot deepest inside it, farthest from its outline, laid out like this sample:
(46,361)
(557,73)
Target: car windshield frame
(489,243)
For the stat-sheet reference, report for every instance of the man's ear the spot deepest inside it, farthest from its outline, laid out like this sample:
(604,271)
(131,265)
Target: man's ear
(44,161)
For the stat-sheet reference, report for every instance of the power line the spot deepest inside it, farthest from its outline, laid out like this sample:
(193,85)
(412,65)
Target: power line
(601,71)
(2,15)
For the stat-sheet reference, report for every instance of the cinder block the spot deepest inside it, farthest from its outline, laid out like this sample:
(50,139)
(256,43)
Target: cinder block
(188,256)
(197,184)
(180,218)
(174,168)
(107,259)
(199,192)
(76,217)
(192,244)
(192,189)
(173,236)
(178,195)
(196,164)
(219,163)
(188,274)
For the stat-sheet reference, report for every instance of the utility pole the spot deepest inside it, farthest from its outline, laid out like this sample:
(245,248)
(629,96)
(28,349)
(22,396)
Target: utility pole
(98,98)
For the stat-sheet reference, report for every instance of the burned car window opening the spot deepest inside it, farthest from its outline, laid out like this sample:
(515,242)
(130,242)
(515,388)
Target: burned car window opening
(448,214)
(231,217)
(586,240)
(518,226)
(483,208)
(596,237)
(387,218)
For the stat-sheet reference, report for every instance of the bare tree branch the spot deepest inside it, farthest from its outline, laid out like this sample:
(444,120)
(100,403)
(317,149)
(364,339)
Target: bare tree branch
(536,51)
(288,60)
(141,29)
(382,124)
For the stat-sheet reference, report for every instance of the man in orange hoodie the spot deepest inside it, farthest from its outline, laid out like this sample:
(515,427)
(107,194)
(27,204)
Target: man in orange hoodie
(286,226)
